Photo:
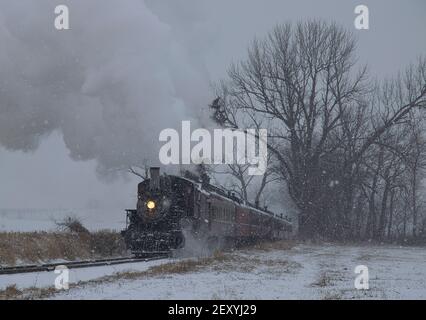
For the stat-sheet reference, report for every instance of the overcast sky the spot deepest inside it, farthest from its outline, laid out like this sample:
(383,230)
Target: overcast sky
(77,104)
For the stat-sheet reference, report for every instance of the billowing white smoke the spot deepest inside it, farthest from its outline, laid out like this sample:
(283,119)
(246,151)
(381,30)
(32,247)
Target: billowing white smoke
(109,85)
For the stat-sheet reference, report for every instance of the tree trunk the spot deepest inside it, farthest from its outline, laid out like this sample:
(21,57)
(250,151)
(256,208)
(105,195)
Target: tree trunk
(382,221)
(391,205)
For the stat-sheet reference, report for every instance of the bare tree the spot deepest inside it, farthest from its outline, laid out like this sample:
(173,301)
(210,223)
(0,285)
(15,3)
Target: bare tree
(141,171)
(247,187)
(324,120)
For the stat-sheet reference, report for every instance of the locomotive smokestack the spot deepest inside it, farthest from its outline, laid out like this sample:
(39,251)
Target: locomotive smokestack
(154,173)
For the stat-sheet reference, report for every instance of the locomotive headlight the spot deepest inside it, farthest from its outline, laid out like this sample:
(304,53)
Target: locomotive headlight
(150,205)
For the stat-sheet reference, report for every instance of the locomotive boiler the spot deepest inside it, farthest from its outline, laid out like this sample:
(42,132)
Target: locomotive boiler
(170,208)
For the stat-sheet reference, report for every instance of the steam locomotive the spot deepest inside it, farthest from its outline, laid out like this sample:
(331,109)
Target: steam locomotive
(172,208)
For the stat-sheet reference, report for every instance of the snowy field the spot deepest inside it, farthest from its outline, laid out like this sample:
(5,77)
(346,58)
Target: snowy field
(27,220)
(47,279)
(303,272)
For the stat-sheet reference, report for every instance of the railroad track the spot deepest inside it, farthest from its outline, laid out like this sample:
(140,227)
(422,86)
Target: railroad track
(78,264)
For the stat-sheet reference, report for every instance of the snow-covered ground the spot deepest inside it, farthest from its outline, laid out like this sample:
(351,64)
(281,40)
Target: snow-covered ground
(47,279)
(303,272)
(44,219)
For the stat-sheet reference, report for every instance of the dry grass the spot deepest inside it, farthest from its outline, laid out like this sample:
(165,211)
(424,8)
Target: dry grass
(332,296)
(323,281)
(72,241)
(184,266)
(11,292)
(276,245)
(34,247)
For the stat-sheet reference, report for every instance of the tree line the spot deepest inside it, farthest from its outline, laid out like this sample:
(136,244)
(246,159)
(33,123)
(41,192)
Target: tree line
(349,148)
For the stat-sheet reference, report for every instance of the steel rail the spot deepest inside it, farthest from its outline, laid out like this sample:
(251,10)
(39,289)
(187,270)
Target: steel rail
(77,264)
